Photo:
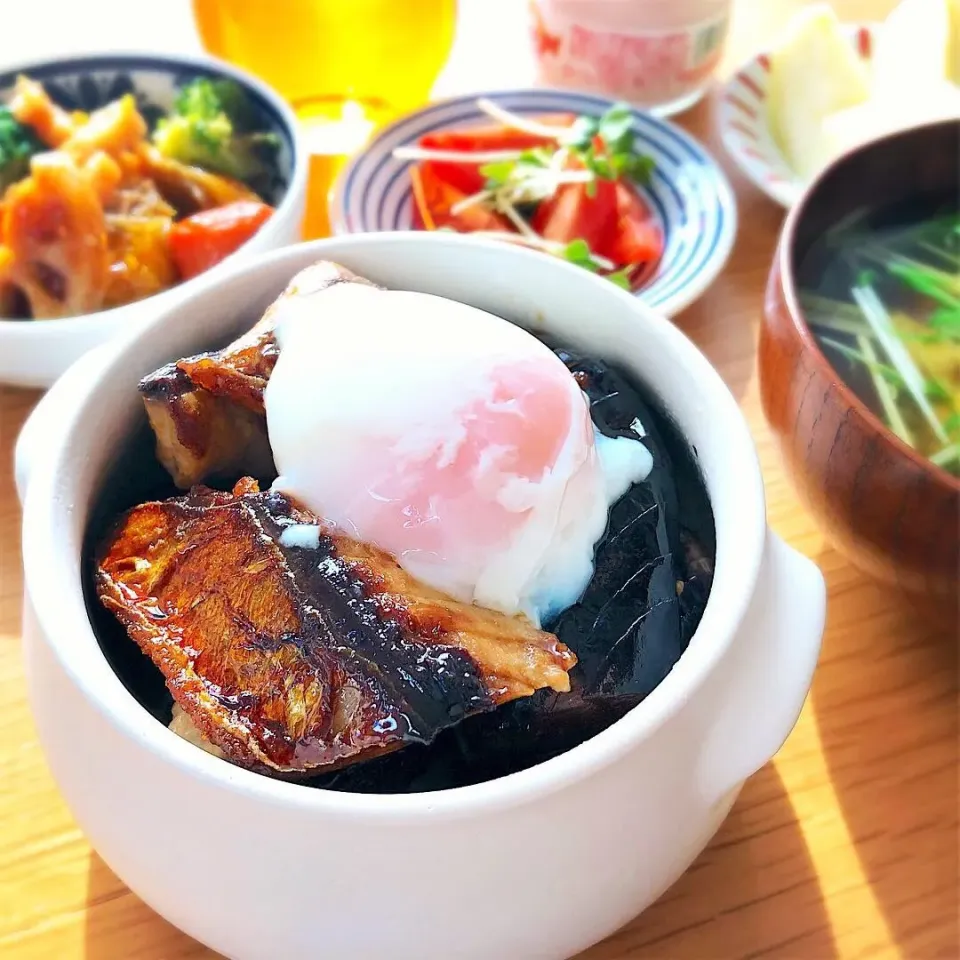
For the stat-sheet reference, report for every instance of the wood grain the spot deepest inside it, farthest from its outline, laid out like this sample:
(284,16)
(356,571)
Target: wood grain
(845,846)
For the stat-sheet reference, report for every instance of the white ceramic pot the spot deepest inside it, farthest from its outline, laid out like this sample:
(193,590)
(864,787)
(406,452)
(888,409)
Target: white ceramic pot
(539,864)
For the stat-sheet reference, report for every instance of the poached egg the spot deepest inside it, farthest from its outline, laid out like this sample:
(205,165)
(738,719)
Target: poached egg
(447,436)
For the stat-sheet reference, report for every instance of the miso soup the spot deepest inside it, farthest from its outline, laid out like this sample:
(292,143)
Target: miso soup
(881,292)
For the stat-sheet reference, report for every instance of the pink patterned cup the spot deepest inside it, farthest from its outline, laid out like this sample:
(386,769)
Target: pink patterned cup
(657,54)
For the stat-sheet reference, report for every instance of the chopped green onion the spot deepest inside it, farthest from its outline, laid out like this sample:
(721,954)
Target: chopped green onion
(935,390)
(951,258)
(932,283)
(834,314)
(948,454)
(946,322)
(898,355)
(873,365)
(886,395)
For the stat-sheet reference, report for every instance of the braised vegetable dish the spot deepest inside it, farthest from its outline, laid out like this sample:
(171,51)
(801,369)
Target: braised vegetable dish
(98,210)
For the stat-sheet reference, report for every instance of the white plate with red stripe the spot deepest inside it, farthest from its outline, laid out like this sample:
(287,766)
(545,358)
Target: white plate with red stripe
(746,134)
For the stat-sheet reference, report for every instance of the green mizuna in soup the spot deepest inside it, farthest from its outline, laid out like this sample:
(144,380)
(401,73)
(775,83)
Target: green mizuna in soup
(881,292)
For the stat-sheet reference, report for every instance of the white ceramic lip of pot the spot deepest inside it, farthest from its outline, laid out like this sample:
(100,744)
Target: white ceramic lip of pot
(51,516)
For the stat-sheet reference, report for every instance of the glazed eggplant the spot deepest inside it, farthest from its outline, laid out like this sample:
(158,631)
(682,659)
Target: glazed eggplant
(292,649)
(653,571)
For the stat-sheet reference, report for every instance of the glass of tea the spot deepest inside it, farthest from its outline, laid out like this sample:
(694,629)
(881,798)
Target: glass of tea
(346,66)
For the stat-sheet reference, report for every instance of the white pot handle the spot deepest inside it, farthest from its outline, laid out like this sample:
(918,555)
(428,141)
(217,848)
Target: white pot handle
(37,433)
(766,677)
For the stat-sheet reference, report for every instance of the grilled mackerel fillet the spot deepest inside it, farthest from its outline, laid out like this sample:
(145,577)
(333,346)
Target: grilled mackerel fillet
(295,650)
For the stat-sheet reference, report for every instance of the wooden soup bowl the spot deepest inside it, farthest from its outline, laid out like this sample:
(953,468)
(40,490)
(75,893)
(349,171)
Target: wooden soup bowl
(895,514)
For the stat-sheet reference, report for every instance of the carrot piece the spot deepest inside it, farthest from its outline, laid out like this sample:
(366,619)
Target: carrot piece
(201,241)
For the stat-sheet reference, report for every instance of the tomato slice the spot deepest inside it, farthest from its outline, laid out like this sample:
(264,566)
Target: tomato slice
(615,224)
(466,179)
(203,240)
(571,214)
(434,197)
(494,136)
(467,176)
(637,238)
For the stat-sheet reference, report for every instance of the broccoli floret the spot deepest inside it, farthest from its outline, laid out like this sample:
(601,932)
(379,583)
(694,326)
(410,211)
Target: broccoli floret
(208,128)
(207,98)
(18,143)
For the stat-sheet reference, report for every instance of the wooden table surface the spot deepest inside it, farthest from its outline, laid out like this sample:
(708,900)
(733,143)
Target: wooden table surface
(846,845)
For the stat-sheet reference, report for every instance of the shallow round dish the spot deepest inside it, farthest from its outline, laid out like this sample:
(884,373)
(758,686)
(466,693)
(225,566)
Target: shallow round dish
(744,130)
(33,353)
(688,193)
(552,858)
(891,510)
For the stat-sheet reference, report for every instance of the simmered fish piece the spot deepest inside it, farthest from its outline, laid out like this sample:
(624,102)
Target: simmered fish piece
(295,650)
(207,411)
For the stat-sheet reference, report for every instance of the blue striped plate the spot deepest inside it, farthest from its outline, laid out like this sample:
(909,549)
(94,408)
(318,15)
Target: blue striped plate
(687,191)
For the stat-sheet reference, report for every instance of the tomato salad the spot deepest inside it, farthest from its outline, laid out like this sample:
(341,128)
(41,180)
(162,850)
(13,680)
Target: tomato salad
(560,183)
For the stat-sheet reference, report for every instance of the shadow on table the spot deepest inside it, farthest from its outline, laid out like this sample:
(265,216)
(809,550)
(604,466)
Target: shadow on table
(753,892)
(885,698)
(120,926)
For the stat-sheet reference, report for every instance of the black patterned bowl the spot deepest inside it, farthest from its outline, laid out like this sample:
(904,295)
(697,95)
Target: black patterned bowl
(35,353)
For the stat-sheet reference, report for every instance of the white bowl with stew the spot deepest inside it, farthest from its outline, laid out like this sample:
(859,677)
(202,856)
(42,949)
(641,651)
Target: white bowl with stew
(33,353)
(538,864)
